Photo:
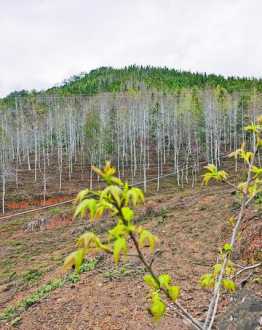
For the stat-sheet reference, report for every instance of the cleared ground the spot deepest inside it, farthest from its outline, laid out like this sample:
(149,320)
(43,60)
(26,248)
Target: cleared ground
(191,225)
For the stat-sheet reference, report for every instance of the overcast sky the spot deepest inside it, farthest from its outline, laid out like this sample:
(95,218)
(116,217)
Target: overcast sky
(43,42)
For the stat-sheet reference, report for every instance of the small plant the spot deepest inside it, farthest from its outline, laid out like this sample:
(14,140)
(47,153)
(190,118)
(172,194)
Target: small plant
(9,313)
(162,215)
(89,265)
(223,271)
(41,293)
(32,276)
(12,313)
(55,211)
(118,200)
(73,278)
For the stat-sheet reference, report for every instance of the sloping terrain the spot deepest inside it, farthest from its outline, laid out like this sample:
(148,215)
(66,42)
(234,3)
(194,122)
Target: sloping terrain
(191,225)
(133,77)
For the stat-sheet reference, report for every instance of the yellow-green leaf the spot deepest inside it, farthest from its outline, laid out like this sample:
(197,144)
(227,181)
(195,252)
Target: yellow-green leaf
(127,213)
(217,269)
(242,186)
(109,170)
(135,196)
(158,307)
(227,247)
(213,173)
(257,171)
(84,206)
(81,195)
(97,171)
(149,280)
(174,292)
(75,259)
(164,280)
(252,190)
(88,240)
(229,285)
(117,181)
(120,246)
(117,231)
(247,156)
(116,193)
(253,128)
(146,237)
(113,194)
(207,281)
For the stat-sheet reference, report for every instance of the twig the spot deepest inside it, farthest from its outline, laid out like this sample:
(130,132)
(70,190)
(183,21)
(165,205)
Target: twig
(212,309)
(243,269)
(231,185)
(156,254)
(244,281)
(181,309)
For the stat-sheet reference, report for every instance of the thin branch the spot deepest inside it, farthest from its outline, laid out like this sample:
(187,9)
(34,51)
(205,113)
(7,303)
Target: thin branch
(156,254)
(188,316)
(244,281)
(231,185)
(243,269)
(212,309)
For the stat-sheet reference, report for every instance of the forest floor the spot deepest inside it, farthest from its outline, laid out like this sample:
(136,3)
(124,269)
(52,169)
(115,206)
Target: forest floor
(36,294)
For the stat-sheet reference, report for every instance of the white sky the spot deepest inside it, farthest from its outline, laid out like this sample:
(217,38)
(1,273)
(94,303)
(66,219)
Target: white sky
(43,42)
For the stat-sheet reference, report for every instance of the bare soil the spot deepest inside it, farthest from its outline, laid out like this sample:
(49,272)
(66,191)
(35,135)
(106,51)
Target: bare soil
(191,225)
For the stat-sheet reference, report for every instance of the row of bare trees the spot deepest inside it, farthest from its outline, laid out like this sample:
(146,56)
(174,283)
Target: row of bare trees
(53,139)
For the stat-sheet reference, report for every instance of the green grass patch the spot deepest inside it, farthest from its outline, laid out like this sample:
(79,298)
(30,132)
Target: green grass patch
(55,211)
(32,276)
(12,313)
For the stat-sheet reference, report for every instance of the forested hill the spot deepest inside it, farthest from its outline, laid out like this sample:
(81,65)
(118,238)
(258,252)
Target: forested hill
(108,79)
(134,77)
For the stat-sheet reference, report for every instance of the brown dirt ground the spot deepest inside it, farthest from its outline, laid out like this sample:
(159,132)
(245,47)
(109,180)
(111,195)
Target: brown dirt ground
(191,231)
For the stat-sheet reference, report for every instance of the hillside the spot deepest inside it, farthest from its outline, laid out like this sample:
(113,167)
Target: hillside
(186,221)
(108,79)
(138,78)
